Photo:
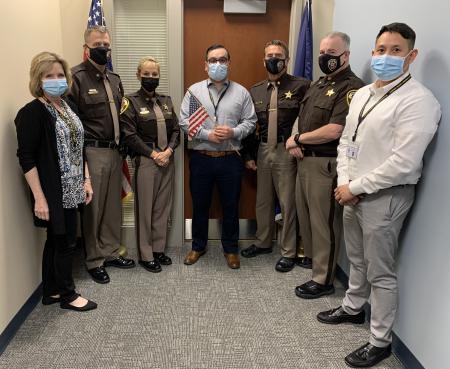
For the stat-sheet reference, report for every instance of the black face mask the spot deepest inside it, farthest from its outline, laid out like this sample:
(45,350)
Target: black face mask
(99,55)
(330,63)
(275,65)
(149,84)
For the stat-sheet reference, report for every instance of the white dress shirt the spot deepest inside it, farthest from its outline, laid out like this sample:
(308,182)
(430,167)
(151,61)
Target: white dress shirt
(391,140)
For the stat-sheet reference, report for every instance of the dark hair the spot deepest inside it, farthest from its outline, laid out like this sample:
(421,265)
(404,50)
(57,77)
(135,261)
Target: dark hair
(403,29)
(214,47)
(278,43)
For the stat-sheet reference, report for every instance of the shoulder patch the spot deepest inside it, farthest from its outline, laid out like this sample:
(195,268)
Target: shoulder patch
(350,95)
(125,105)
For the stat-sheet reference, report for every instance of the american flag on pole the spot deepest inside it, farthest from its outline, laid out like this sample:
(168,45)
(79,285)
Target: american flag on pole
(197,115)
(96,18)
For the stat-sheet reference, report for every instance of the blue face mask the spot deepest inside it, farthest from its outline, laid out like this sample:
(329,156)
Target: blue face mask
(54,87)
(388,67)
(217,72)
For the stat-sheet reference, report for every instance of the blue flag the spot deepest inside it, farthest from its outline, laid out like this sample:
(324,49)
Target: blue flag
(304,58)
(96,18)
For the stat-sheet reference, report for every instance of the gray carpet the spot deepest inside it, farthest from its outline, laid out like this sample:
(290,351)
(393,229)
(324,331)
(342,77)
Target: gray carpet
(202,316)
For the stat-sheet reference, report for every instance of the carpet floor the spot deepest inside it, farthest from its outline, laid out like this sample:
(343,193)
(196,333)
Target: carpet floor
(204,316)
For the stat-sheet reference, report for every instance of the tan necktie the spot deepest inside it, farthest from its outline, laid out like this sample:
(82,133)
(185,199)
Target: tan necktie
(161,126)
(113,108)
(273,116)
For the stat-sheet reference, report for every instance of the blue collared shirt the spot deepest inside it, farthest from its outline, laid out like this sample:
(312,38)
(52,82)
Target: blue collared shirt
(235,110)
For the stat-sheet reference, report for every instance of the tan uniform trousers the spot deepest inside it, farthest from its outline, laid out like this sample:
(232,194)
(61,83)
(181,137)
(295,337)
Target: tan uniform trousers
(276,176)
(371,231)
(153,201)
(102,218)
(320,216)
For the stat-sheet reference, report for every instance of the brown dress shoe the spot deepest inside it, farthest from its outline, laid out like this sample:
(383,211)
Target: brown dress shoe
(233,261)
(193,256)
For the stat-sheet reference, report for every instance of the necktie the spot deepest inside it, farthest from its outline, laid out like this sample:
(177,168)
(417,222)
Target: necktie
(272,129)
(161,126)
(113,108)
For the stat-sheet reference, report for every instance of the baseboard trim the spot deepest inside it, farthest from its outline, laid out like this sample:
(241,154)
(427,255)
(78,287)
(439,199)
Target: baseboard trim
(400,349)
(11,329)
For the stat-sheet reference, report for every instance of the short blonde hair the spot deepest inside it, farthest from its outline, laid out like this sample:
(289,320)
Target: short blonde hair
(89,30)
(147,59)
(40,65)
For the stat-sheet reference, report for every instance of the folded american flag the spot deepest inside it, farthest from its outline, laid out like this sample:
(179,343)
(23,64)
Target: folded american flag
(197,115)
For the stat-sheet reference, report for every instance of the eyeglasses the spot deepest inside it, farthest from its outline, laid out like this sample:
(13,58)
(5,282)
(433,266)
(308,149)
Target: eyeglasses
(220,60)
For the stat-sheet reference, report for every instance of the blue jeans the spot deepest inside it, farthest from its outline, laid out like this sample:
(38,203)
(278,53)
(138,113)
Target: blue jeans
(226,172)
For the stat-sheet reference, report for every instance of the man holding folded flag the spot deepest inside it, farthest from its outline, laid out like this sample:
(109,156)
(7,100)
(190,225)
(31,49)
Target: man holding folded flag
(217,114)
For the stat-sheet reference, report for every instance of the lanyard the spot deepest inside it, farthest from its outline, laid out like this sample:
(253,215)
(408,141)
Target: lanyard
(363,115)
(218,101)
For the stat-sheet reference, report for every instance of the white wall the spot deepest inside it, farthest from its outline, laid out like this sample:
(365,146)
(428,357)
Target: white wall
(423,323)
(22,35)
(46,25)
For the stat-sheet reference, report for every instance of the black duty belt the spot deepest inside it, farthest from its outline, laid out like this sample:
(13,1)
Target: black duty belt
(319,154)
(101,144)
(279,139)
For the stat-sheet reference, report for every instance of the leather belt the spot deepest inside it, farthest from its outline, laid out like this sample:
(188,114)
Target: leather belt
(216,154)
(363,195)
(100,144)
(319,154)
(279,139)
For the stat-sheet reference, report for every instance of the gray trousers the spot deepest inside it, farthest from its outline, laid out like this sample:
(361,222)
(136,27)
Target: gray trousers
(153,201)
(102,218)
(320,216)
(276,176)
(371,231)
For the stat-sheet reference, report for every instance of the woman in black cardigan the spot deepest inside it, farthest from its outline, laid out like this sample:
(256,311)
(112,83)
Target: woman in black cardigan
(50,151)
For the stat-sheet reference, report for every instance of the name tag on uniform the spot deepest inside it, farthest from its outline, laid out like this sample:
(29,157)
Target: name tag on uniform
(144,111)
(352,151)
(92,91)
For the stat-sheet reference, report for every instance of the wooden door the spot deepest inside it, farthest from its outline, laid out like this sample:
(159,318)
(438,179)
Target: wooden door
(244,35)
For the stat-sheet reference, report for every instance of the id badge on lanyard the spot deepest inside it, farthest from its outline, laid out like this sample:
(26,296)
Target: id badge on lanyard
(352,150)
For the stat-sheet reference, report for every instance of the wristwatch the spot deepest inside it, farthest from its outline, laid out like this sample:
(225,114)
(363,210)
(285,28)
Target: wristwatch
(297,139)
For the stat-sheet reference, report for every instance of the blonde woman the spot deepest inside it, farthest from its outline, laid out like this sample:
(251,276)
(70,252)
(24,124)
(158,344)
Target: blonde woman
(50,151)
(150,130)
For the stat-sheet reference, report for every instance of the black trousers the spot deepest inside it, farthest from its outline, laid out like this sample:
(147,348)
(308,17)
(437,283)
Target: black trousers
(226,172)
(57,259)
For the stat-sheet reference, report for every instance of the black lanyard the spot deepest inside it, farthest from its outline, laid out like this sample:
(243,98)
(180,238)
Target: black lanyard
(363,116)
(218,101)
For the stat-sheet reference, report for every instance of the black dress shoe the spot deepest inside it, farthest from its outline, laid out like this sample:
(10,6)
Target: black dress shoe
(253,250)
(48,300)
(367,356)
(99,275)
(152,266)
(162,258)
(304,262)
(338,316)
(120,262)
(91,305)
(313,290)
(285,264)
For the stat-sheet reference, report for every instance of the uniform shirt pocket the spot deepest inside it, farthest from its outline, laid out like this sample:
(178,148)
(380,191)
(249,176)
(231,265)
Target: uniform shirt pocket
(96,105)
